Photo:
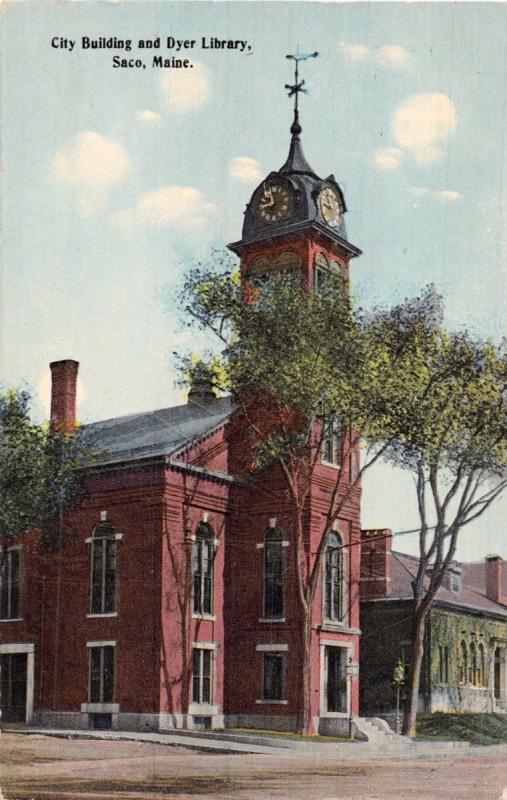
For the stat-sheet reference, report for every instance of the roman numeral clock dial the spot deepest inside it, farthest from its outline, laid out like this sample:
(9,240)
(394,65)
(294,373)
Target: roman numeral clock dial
(330,207)
(274,203)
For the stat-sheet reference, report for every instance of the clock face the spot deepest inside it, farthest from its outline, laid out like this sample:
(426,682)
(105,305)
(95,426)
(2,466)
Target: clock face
(274,203)
(330,206)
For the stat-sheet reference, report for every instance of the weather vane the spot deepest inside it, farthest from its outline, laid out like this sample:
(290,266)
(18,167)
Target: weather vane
(297,87)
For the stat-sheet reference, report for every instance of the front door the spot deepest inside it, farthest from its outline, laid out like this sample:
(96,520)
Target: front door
(336,682)
(13,687)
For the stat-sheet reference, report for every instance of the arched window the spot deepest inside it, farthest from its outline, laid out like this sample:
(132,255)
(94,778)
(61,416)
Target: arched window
(274,569)
(463,676)
(334,594)
(203,556)
(259,272)
(103,581)
(482,665)
(473,664)
(320,273)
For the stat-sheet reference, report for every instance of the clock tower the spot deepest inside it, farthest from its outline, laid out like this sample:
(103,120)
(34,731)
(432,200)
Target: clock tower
(295,220)
(294,225)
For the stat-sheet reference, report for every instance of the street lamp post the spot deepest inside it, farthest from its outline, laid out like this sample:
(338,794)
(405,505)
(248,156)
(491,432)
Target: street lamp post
(398,679)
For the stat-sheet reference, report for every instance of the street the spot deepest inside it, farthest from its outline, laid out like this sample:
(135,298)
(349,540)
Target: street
(45,768)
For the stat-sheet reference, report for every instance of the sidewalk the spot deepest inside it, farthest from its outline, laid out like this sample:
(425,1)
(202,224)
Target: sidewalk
(244,743)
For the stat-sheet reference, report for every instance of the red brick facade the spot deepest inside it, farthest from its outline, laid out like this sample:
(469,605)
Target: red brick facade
(177,487)
(155,510)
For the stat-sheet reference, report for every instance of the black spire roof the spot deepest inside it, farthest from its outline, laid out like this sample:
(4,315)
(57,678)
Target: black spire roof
(296,162)
(302,187)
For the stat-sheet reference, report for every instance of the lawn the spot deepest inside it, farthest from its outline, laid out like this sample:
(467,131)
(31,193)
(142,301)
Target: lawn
(474,728)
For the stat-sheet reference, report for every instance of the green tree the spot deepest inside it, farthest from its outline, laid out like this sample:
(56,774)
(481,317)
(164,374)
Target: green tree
(39,473)
(450,432)
(293,359)
(401,385)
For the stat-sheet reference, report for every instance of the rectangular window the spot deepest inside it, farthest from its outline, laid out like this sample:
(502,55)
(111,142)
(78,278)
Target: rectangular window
(443,663)
(10,584)
(202,567)
(336,683)
(331,440)
(202,675)
(273,668)
(103,599)
(333,579)
(101,670)
(273,577)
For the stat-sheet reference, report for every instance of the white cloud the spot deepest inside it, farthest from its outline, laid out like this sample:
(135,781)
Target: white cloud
(245,169)
(171,206)
(422,123)
(354,52)
(90,159)
(393,56)
(186,89)
(150,117)
(444,195)
(447,195)
(91,164)
(419,191)
(388,158)
(389,55)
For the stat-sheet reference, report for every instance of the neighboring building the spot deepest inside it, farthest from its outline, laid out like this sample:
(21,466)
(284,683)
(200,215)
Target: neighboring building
(465,656)
(176,603)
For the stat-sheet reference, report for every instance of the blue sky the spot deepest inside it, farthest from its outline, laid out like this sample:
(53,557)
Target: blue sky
(116,179)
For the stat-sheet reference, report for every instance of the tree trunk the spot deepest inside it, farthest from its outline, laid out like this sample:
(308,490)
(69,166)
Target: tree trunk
(417,653)
(305,725)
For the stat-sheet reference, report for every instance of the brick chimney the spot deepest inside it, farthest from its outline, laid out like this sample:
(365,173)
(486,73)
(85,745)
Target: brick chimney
(375,562)
(494,567)
(63,395)
(201,388)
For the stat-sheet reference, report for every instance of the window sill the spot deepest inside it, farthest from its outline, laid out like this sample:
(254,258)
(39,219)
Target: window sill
(272,702)
(12,619)
(203,709)
(334,714)
(101,616)
(100,708)
(272,619)
(210,617)
(330,464)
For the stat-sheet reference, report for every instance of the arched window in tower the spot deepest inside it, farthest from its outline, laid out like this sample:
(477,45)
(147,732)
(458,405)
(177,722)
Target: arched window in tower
(463,672)
(203,558)
(320,273)
(287,262)
(259,272)
(274,572)
(334,579)
(103,569)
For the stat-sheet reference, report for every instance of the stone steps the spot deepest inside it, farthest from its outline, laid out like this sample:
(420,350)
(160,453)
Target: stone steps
(378,732)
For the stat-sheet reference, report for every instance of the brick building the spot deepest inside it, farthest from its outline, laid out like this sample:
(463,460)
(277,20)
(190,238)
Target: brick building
(176,603)
(465,650)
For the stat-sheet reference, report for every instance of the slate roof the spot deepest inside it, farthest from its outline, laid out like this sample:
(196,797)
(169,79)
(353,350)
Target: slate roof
(165,431)
(472,594)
